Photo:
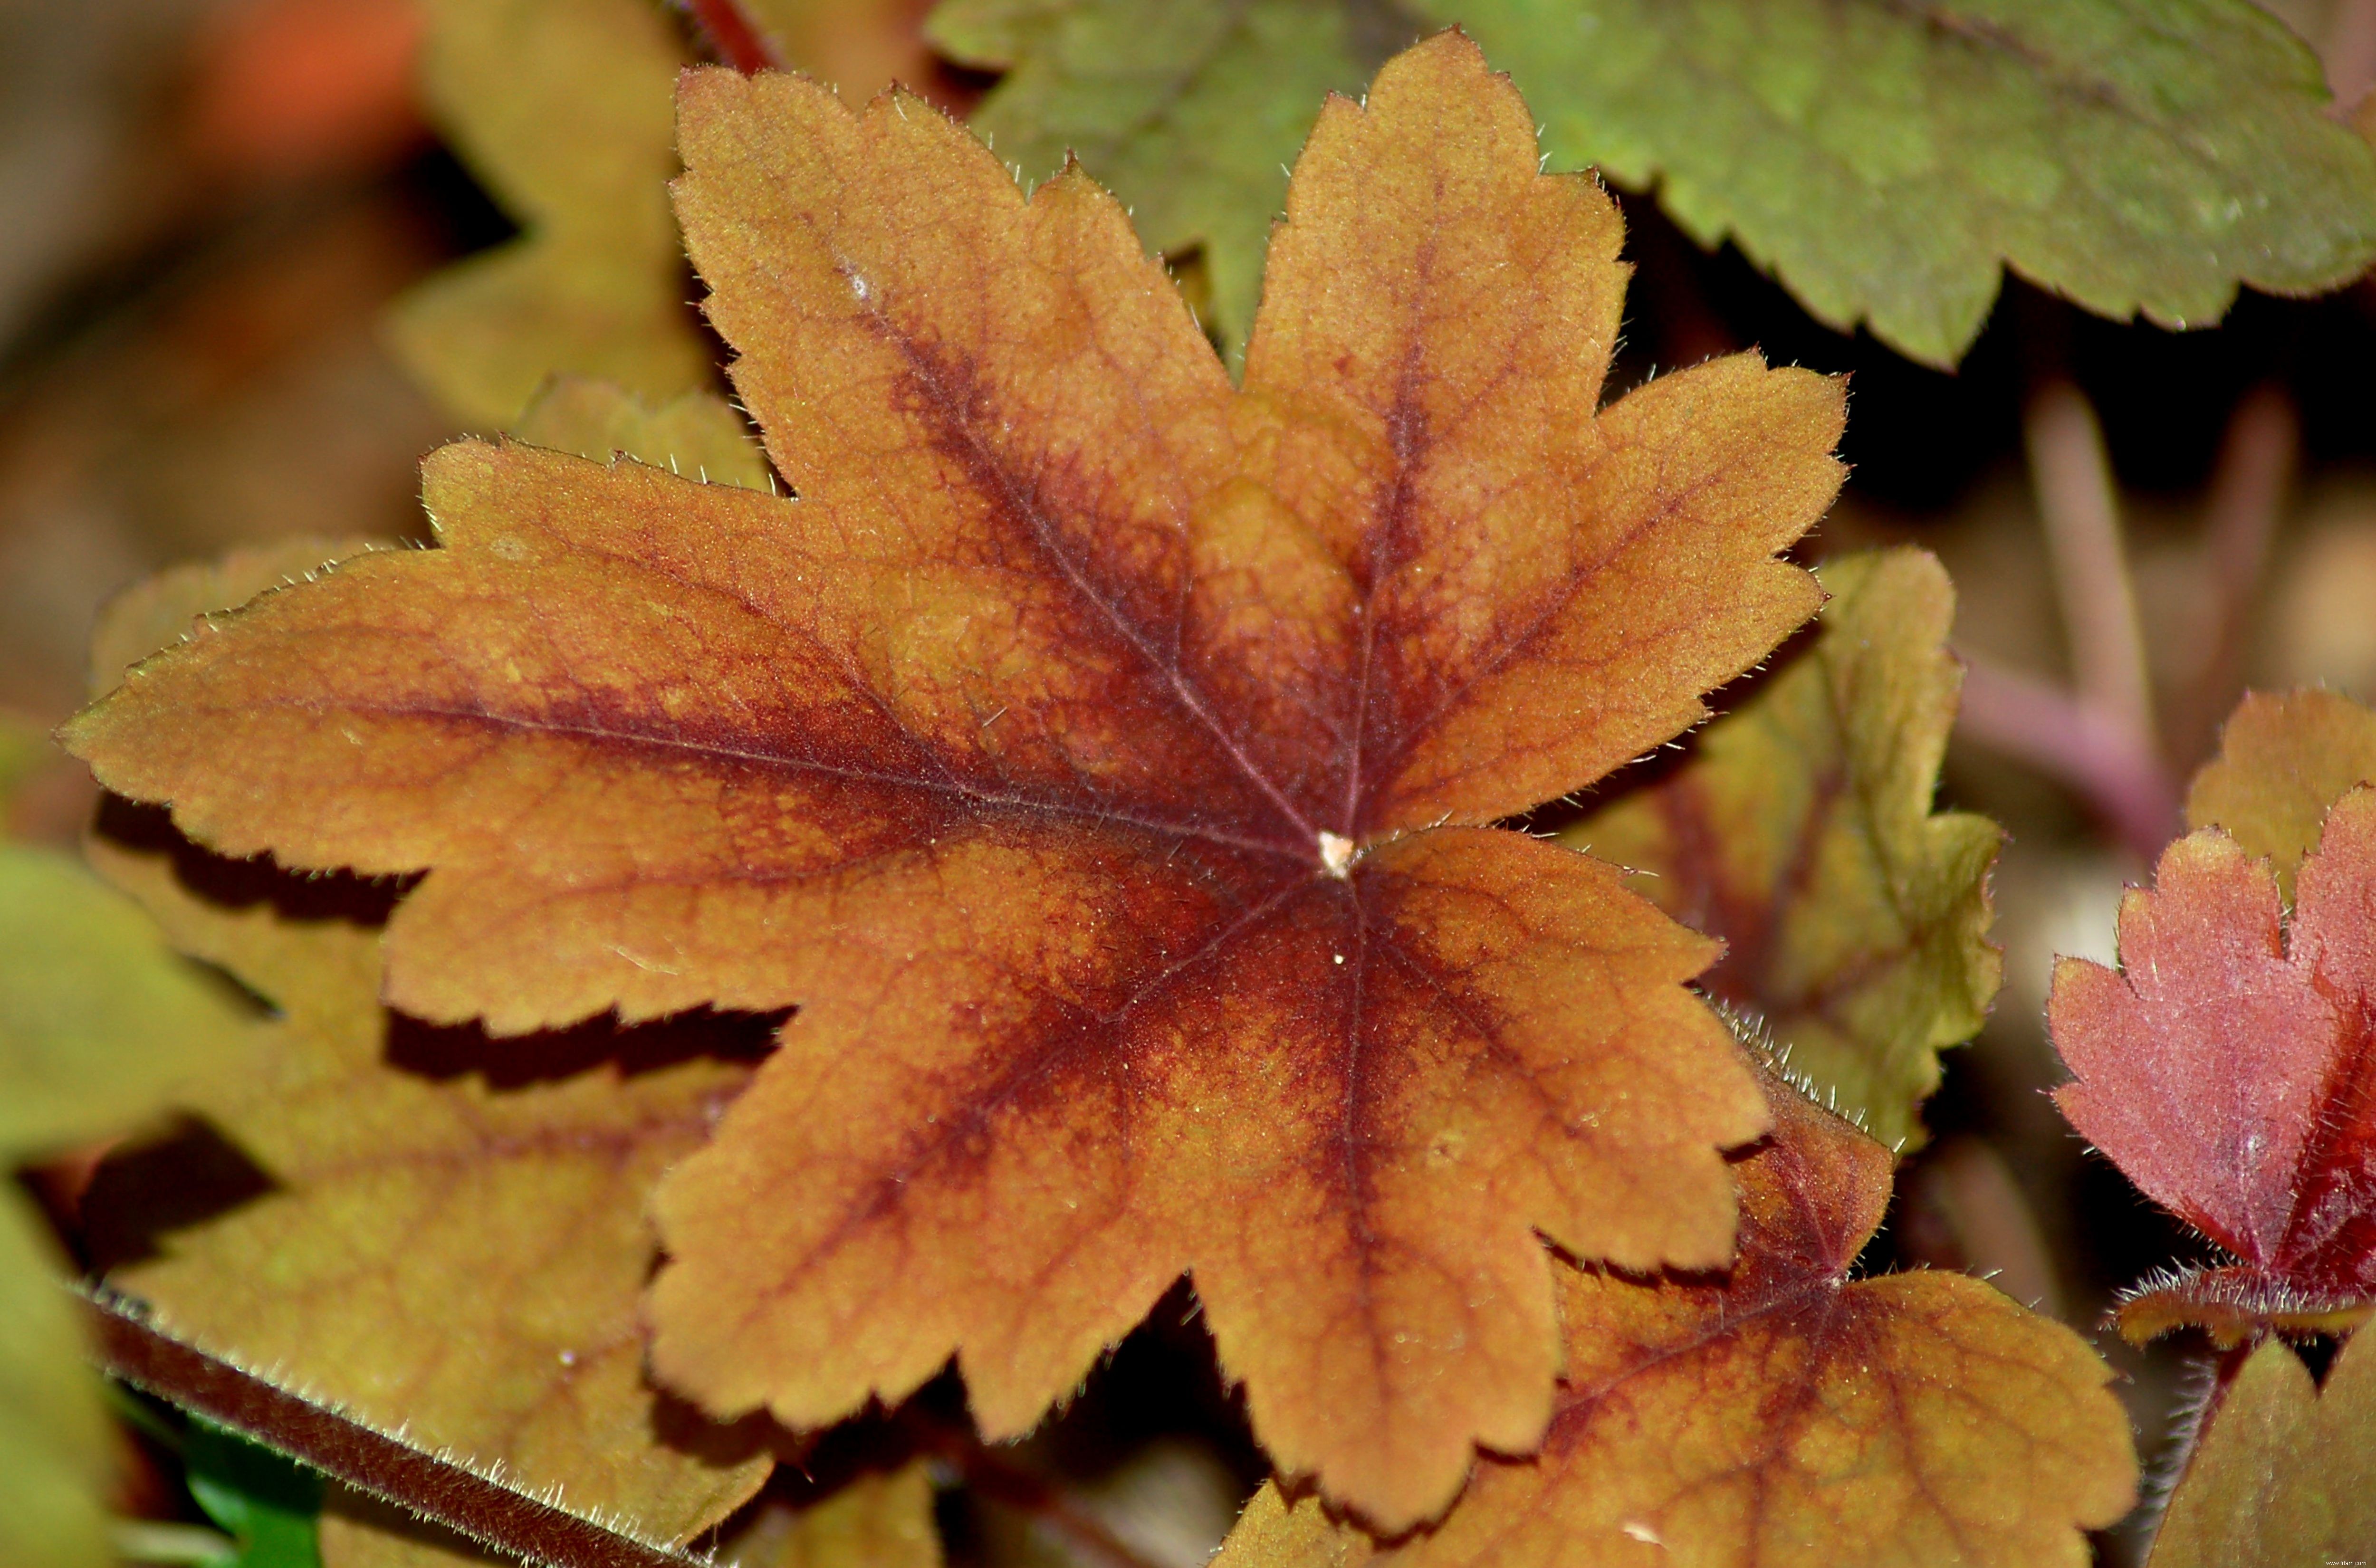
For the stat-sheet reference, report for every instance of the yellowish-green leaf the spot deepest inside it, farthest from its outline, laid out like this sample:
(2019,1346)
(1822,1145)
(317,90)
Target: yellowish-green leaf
(696,435)
(879,1520)
(875,1520)
(99,1022)
(1801,833)
(2284,759)
(2285,1475)
(439,1254)
(24,747)
(55,1445)
(563,110)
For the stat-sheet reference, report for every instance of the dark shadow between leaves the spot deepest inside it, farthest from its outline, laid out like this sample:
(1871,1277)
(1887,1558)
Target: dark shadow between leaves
(242,884)
(140,1192)
(445,1052)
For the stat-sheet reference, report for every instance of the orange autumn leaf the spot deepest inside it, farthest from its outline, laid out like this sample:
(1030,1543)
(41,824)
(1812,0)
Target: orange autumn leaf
(2226,1067)
(1104,760)
(1782,1416)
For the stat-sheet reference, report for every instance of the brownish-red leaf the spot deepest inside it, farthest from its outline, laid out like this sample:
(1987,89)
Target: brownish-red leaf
(2230,1069)
(1101,757)
(1783,1416)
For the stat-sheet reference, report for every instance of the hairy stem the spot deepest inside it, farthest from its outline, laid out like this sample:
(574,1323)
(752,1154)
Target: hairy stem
(733,36)
(479,1506)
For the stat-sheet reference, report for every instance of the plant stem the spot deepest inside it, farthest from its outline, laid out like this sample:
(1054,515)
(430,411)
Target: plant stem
(733,36)
(2108,764)
(2240,523)
(2073,479)
(479,1506)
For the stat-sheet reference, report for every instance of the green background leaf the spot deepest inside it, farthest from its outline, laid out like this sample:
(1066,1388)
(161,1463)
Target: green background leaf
(266,1504)
(1885,158)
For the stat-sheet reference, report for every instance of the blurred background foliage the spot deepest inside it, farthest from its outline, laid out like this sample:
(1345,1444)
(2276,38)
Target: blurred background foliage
(215,216)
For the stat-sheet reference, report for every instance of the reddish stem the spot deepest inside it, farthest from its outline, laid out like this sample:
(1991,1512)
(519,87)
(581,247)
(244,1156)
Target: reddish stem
(2240,524)
(373,1461)
(733,36)
(2112,767)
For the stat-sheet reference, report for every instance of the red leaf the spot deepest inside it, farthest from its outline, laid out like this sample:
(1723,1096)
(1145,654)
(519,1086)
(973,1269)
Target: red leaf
(2228,1069)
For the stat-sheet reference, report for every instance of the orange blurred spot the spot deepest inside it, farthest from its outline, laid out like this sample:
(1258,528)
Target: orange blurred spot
(292,87)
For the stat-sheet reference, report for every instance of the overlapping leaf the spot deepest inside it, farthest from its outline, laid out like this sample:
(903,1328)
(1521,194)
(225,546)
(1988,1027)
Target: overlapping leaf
(437,1254)
(2230,1069)
(1100,759)
(2284,760)
(1854,919)
(101,1025)
(2284,1477)
(874,1520)
(695,434)
(1190,114)
(1783,1416)
(1884,161)
(561,109)
(58,1447)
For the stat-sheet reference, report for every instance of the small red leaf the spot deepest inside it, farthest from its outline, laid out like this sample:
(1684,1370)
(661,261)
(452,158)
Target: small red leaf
(2230,1068)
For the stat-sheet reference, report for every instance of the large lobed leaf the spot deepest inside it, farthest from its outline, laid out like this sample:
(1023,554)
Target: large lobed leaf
(1885,159)
(1783,1416)
(1855,919)
(2228,1067)
(561,109)
(1099,757)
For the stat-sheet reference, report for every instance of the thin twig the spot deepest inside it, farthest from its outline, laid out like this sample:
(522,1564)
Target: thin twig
(479,1506)
(995,1475)
(2240,523)
(2109,764)
(2073,482)
(733,36)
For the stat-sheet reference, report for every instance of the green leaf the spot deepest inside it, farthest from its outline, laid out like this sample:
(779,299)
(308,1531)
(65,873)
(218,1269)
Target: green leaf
(100,1021)
(266,1504)
(2284,1477)
(1801,832)
(1188,112)
(56,1443)
(1884,158)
